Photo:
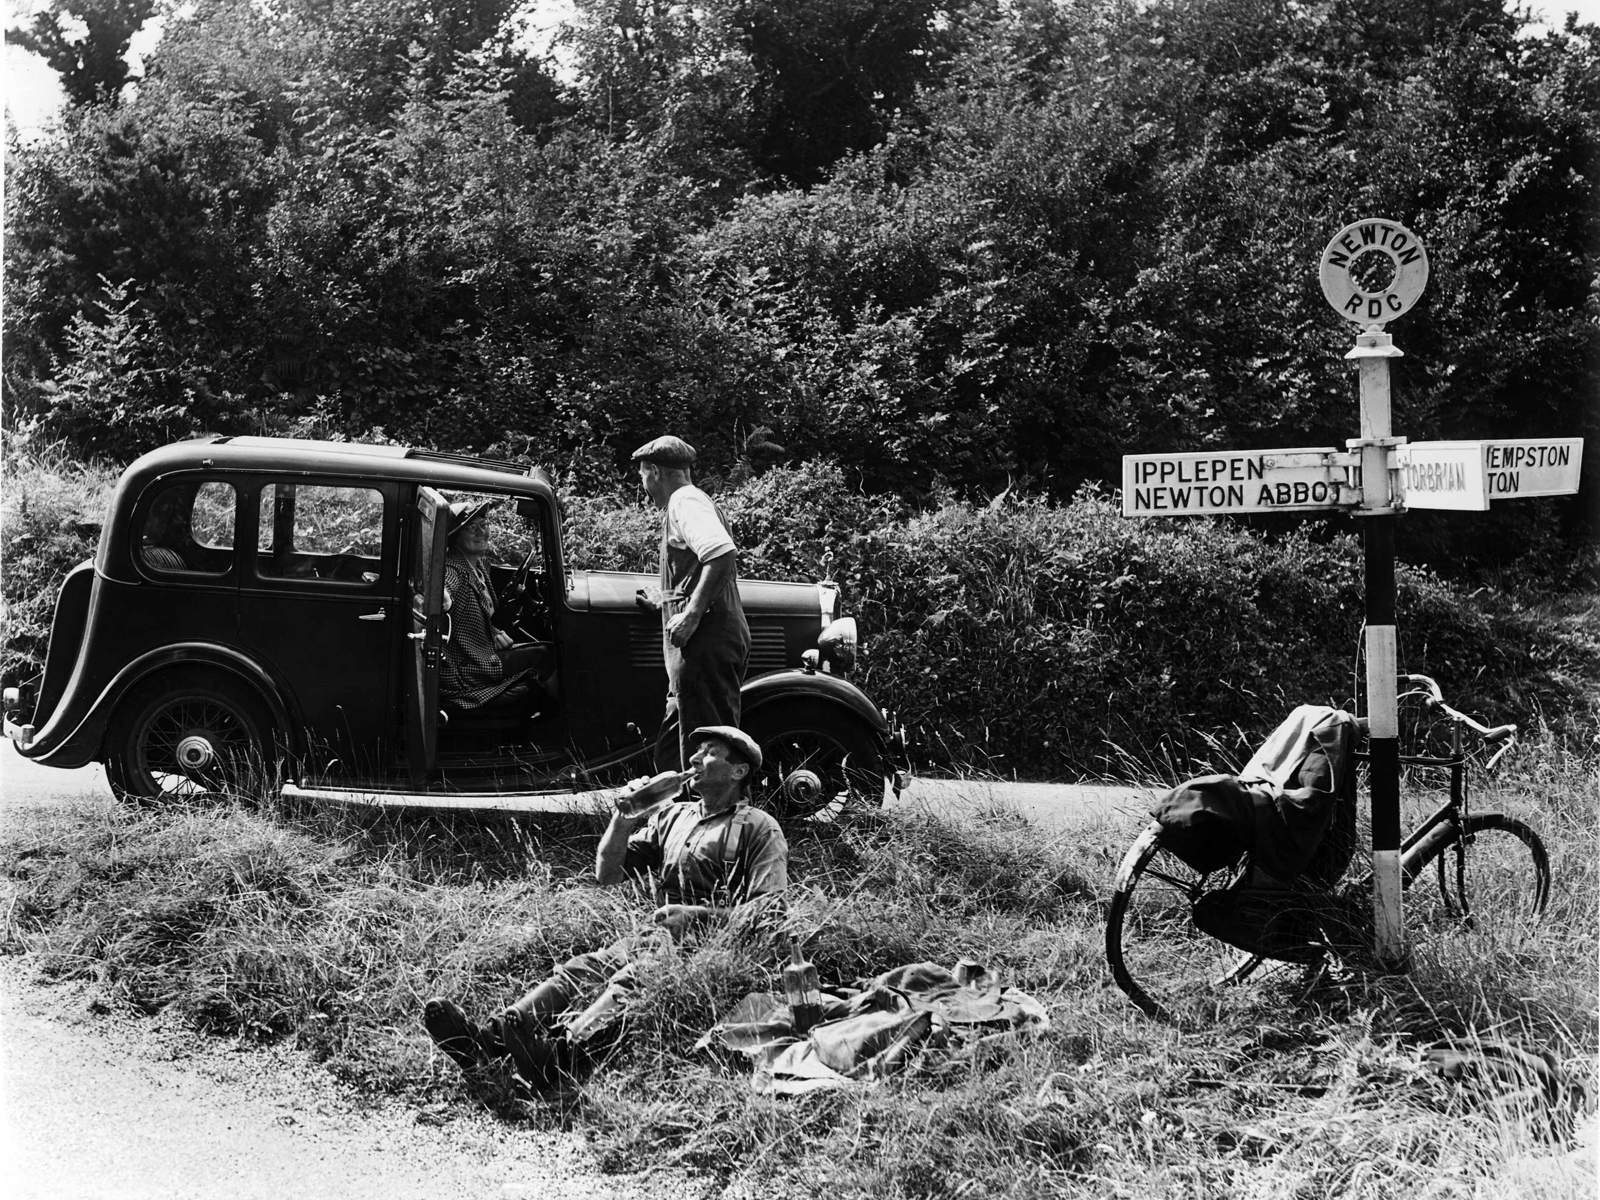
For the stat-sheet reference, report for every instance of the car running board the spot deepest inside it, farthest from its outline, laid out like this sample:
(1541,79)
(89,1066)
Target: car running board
(599,802)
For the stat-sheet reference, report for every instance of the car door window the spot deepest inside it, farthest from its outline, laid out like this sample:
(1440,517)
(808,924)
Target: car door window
(187,528)
(320,532)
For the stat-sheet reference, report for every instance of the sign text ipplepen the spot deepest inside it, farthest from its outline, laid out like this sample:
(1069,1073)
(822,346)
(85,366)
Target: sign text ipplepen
(1236,481)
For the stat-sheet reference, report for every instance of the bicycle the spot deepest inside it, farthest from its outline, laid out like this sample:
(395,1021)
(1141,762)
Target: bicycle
(1169,967)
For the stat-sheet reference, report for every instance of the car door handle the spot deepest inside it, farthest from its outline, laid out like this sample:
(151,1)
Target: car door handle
(381,615)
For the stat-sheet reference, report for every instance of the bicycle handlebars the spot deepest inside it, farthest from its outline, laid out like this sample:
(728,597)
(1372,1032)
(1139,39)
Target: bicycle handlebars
(1429,688)
(1424,685)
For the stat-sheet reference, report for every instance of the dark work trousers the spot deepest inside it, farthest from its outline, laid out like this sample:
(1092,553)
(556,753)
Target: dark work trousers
(703,679)
(585,998)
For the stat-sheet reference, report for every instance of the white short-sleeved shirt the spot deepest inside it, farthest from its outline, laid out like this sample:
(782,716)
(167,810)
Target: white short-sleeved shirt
(693,524)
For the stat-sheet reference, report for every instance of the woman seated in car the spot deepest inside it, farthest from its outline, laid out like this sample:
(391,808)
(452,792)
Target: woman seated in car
(481,665)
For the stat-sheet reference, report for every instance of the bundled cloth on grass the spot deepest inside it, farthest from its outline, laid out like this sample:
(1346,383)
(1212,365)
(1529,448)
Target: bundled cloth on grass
(872,1031)
(1292,807)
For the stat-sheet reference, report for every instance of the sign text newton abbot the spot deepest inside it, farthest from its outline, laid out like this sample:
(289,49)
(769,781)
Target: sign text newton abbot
(1196,484)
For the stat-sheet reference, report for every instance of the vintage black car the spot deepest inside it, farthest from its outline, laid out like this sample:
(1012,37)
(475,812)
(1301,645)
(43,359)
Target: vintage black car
(275,608)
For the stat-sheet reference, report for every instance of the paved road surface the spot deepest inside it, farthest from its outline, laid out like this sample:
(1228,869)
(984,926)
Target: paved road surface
(26,786)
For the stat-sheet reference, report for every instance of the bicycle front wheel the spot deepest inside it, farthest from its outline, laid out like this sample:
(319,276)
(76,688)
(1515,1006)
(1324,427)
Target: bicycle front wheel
(1491,876)
(1166,965)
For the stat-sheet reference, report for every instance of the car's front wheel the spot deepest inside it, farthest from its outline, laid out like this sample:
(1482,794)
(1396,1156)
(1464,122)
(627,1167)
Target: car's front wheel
(818,760)
(188,734)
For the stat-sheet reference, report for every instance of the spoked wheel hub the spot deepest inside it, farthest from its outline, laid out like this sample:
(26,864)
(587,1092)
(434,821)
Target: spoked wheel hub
(818,761)
(802,790)
(195,752)
(188,734)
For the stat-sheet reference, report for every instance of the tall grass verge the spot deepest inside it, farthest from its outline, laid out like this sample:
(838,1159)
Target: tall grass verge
(331,931)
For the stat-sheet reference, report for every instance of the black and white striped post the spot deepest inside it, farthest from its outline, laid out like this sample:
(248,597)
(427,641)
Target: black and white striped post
(1372,272)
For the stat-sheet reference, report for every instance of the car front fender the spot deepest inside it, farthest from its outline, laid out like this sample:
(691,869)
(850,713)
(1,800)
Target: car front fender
(784,685)
(74,735)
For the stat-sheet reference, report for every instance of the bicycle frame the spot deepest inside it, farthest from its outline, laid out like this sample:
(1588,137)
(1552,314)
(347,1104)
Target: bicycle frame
(1418,847)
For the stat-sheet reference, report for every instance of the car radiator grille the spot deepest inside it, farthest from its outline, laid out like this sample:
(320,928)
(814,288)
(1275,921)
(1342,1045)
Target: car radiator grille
(768,648)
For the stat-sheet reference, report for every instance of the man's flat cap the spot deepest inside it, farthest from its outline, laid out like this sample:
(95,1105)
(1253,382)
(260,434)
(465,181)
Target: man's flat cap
(666,451)
(740,742)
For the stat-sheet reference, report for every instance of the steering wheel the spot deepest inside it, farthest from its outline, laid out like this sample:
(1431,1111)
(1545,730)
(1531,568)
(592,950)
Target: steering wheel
(523,601)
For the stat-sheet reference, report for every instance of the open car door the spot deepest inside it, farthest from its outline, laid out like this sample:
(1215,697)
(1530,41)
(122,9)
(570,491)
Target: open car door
(425,593)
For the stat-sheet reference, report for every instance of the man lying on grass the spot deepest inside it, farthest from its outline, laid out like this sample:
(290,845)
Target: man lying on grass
(706,853)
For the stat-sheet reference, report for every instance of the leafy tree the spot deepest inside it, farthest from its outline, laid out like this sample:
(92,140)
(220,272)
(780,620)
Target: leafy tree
(86,43)
(165,200)
(955,248)
(832,74)
(308,64)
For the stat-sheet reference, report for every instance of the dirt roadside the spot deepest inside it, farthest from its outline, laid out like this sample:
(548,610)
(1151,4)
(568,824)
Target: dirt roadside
(103,1105)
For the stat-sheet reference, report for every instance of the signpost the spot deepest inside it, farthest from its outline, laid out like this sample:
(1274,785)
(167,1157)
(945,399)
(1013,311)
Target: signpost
(1371,272)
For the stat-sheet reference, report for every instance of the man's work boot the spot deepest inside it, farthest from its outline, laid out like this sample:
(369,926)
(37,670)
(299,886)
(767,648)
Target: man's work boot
(453,1032)
(540,1059)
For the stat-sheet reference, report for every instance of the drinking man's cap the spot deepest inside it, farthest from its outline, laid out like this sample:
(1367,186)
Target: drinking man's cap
(666,451)
(740,742)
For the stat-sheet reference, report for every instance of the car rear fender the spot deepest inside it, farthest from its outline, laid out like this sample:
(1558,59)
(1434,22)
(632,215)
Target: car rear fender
(84,743)
(66,638)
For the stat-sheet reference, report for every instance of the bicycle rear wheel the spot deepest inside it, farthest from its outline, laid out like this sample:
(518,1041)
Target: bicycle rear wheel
(1166,965)
(1491,876)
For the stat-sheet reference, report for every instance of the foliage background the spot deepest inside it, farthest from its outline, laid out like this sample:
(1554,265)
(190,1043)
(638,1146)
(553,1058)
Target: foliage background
(912,276)
(962,246)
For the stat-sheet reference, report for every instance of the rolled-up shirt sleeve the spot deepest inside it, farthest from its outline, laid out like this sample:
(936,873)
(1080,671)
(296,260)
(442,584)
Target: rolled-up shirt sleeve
(694,519)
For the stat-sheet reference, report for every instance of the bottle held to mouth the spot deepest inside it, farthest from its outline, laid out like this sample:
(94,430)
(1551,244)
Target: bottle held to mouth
(653,794)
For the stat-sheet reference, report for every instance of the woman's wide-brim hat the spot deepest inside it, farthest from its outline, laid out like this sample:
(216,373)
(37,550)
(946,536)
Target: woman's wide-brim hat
(465,512)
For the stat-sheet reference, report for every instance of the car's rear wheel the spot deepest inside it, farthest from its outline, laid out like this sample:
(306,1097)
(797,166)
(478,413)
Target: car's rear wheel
(818,760)
(190,734)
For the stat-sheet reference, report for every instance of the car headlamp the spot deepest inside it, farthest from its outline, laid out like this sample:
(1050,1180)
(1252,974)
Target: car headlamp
(837,643)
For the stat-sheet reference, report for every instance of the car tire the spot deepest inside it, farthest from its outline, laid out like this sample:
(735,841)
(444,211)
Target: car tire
(819,761)
(188,735)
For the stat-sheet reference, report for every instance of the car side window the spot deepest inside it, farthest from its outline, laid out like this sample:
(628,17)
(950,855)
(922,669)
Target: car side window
(188,529)
(320,531)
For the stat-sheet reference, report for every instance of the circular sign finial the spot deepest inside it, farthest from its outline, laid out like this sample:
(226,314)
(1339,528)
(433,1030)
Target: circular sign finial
(1373,271)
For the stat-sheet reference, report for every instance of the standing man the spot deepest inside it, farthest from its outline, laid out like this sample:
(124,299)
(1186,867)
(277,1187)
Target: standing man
(704,635)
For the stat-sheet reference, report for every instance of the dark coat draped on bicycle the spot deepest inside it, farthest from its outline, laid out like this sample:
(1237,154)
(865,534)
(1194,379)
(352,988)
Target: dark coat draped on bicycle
(1257,863)
(1292,807)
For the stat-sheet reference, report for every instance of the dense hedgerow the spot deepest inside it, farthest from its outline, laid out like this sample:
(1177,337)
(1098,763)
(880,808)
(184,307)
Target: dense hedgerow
(1049,638)
(1020,635)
